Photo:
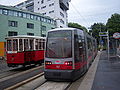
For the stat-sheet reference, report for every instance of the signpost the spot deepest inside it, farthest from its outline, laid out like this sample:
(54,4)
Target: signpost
(107,35)
(116,36)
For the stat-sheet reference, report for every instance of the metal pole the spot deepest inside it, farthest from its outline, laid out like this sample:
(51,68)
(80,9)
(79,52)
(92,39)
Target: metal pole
(116,47)
(108,44)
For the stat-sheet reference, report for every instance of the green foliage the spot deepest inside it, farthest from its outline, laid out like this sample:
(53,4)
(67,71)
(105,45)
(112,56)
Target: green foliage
(113,24)
(76,25)
(96,28)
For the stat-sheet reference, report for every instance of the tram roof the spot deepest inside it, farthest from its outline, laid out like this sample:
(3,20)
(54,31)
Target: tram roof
(25,36)
(64,29)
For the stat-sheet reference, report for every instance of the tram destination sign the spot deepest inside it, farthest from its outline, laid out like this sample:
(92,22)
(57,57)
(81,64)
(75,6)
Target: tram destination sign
(103,33)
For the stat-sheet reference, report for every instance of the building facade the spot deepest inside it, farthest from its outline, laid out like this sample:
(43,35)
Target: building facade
(14,21)
(56,9)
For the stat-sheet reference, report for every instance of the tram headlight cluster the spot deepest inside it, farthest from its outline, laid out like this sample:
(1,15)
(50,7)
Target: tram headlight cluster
(68,63)
(48,62)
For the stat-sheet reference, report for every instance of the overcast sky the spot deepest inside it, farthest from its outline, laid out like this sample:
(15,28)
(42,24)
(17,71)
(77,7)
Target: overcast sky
(85,12)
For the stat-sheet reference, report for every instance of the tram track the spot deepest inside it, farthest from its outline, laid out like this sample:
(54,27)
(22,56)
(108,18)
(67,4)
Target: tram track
(38,82)
(19,77)
(15,71)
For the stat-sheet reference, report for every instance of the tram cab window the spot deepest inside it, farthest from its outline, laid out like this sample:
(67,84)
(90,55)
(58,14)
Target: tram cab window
(15,44)
(59,44)
(9,45)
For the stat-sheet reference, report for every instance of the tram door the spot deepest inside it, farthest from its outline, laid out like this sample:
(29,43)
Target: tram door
(79,51)
(28,53)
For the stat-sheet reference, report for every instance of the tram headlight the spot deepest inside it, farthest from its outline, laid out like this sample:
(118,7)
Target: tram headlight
(48,62)
(68,63)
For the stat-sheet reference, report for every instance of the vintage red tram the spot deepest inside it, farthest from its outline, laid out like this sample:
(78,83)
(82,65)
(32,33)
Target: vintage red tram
(68,53)
(24,50)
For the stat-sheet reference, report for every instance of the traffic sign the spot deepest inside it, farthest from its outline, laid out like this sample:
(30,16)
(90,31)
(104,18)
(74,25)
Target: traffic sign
(116,35)
(103,33)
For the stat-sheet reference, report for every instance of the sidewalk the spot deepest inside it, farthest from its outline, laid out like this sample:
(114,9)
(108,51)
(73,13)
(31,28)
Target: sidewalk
(107,76)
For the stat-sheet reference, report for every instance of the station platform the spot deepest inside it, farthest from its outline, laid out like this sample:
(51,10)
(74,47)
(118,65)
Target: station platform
(103,74)
(107,75)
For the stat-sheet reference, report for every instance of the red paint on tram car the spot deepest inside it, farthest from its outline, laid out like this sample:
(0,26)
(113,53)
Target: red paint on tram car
(15,58)
(80,65)
(58,66)
(38,55)
(24,50)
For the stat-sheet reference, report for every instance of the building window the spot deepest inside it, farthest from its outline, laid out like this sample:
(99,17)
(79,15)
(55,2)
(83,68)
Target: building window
(12,23)
(0,11)
(62,14)
(12,33)
(10,13)
(28,16)
(15,13)
(30,34)
(38,8)
(24,15)
(43,31)
(43,13)
(62,21)
(43,7)
(51,11)
(5,12)
(30,25)
(31,16)
(42,1)
(20,14)
(51,4)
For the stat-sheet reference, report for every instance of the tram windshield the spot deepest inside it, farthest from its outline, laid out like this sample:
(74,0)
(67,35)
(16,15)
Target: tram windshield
(59,44)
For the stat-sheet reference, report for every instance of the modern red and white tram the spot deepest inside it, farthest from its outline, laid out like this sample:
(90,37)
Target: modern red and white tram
(24,50)
(68,53)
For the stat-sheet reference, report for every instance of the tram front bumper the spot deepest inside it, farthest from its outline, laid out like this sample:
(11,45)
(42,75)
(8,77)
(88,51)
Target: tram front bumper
(59,74)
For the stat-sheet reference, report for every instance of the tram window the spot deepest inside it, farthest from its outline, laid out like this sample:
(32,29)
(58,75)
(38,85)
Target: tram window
(76,46)
(59,44)
(15,45)
(26,47)
(9,45)
(31,44)
(40,44)
(36,44)
(20,45)
(43,44)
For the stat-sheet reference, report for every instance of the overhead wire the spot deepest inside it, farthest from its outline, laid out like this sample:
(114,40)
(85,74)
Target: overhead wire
(85,21)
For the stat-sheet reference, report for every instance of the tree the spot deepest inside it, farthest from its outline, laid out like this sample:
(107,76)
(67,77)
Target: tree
(76,25)
(113,24)
(96,28)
